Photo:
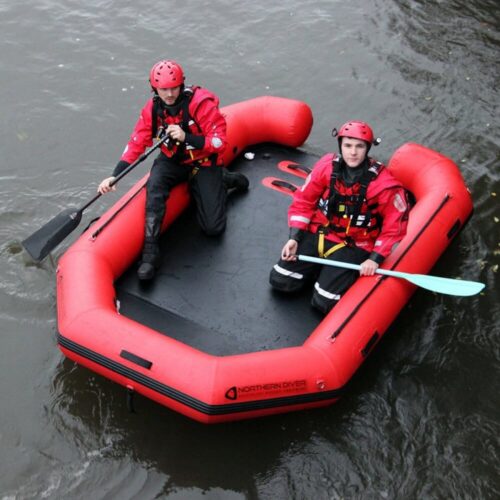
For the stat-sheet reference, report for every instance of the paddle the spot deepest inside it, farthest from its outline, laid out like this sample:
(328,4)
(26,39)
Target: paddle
(434,283)
(43,241)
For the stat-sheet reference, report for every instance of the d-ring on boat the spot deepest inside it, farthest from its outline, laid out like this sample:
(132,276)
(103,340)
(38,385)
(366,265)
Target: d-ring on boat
(209,338)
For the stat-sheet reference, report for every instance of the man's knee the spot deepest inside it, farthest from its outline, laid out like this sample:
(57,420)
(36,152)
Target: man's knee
(284,280)
(213,228)
(211,213)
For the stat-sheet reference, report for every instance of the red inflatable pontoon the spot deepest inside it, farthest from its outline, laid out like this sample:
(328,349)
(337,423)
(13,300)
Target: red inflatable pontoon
(260,379)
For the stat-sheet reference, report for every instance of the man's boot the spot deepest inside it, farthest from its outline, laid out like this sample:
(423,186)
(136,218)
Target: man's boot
(151,259)
(235,180)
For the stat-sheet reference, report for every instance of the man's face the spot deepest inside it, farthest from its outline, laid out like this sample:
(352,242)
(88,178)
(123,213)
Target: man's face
(169,96)
(353,151)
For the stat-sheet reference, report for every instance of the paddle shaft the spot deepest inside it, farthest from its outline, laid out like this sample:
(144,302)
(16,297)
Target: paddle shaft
(43,241)
(141,158)
(348,265)
(434,283)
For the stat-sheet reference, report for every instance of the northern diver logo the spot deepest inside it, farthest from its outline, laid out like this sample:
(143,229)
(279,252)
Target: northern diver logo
(232,393)
(271,388)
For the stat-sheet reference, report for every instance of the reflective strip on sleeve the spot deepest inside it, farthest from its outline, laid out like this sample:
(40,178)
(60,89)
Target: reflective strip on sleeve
(299,218)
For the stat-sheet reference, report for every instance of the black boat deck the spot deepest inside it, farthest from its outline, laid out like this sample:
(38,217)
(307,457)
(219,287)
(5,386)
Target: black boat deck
(213,293)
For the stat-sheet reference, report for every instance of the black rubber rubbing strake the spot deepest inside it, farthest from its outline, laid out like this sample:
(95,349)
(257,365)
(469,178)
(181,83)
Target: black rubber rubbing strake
(188,400)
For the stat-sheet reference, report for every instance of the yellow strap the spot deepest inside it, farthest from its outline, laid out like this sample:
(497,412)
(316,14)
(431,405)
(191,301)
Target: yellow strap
(348,225)
(321,246)
(321,243)
(338,246)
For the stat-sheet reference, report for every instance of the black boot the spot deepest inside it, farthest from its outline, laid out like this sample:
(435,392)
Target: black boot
(235,180)
(151,259)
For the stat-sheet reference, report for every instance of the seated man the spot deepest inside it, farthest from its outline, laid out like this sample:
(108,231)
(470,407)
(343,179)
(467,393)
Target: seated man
(350,209)
(191,118)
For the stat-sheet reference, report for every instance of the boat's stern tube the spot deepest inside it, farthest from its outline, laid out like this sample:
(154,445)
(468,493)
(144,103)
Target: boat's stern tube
(266,119)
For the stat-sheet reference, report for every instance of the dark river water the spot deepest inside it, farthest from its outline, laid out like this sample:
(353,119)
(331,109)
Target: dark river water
(422,417)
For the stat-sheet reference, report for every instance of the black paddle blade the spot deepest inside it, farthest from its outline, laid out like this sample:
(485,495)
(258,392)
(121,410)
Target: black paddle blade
(43,241)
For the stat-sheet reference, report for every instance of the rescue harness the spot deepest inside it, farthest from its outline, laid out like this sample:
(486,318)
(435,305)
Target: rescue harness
(349,208)
(160,121)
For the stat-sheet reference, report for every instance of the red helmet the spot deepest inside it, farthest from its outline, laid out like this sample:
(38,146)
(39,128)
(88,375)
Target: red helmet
(166,75)
(356,130)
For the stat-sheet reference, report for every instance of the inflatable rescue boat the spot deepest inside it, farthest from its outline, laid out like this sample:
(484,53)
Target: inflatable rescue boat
(209,338)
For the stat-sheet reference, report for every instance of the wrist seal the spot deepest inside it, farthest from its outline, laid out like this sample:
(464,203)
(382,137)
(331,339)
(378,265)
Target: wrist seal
(296,234)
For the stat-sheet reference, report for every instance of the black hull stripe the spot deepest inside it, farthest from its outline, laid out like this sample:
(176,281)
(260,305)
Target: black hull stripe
(195,404)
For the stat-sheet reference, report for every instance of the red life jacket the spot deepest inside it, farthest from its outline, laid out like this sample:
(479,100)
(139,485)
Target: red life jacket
(193,96)
(346,209)
(199,116)
(371,214)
